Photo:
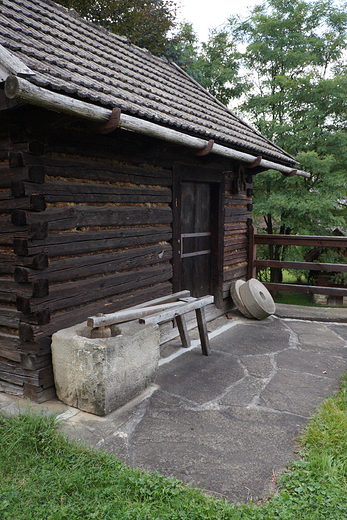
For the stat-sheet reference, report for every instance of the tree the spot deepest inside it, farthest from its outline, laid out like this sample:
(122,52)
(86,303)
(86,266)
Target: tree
(183,47)
(295,52)
(145,23)
(216,66)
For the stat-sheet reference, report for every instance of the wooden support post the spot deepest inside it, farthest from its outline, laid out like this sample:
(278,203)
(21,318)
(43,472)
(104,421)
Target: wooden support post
(182,327)
(252,253)
(205,342)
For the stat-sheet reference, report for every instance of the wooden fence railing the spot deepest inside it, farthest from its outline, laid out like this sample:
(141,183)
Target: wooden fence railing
(297,240)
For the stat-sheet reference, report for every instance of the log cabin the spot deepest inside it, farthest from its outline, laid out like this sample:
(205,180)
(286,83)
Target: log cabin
(121,180)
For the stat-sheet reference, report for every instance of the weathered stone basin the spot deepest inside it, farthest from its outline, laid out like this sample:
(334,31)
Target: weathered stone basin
(99,375)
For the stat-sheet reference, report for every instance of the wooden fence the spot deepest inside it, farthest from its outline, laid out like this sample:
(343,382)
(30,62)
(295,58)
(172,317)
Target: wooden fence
(297,240)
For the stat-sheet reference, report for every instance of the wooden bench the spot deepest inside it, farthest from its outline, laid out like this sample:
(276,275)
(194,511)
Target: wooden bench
(191,304)
(160,310)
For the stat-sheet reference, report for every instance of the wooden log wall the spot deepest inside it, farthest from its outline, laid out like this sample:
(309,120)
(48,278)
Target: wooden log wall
(82,232)
(238,218)
(21,373)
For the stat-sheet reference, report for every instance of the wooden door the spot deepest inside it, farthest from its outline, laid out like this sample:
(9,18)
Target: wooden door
(195,239)
(198,230)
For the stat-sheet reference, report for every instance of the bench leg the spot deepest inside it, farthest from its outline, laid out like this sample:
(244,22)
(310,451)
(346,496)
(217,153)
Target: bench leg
(205,342)
(182,327)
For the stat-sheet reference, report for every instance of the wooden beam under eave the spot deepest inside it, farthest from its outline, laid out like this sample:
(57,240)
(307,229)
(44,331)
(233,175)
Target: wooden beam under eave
(20,88)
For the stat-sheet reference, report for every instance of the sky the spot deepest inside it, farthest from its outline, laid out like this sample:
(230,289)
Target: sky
(205,14)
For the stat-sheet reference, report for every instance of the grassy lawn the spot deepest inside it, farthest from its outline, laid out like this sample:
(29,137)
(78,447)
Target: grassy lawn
(45,477)
(289,298)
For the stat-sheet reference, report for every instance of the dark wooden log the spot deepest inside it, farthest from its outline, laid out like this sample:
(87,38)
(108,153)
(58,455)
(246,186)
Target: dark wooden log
(7,261)
(80,242)
(122,145)
(83,216)
(94,170)
(75,268)
(235,228)
(235,242)
(15,160)
(235,272)
(38,230)
(39,394)
(5,194)
(40,347)
(9,317)
(11,355)
(32,203)
(6,227)
(38,261)
(9,289)
(238,218)
(235,257)
(31,361)
(38,202)
(7,205)
(15,374)
(70,294)
(11,389)
(10,376)
(237,200)
(34,231)
(90,193)
(42,317)
(36,147)
(16,176)
(232,211)
(9,346)
(66,318)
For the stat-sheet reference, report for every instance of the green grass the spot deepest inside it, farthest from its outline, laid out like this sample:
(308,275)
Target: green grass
(45,477)
(290,298)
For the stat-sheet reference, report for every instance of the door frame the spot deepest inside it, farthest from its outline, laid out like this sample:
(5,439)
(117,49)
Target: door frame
(215,177)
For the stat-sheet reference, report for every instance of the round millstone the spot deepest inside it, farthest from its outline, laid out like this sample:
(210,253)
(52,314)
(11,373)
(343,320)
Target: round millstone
(236,298)
(257,299)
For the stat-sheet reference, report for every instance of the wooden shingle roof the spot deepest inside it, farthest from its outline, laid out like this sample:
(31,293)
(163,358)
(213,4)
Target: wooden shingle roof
(71,56)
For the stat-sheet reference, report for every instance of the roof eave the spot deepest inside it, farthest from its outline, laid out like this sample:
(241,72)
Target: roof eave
(19,88)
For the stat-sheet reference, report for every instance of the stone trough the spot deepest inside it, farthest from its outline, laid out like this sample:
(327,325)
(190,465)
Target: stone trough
(97,375)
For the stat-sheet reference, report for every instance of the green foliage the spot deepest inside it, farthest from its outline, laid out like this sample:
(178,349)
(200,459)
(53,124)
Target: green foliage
(214,64)
(295,52)
(183,47)
(217,67)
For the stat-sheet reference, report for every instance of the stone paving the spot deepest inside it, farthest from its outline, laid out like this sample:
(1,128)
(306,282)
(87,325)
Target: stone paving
(228,423)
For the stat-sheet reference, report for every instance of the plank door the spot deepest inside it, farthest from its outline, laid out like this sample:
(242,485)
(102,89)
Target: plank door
(195,239)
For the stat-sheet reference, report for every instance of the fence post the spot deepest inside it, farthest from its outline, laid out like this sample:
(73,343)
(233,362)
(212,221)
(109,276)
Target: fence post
(252,253)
